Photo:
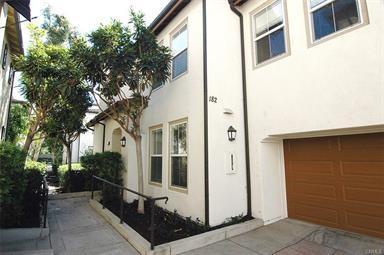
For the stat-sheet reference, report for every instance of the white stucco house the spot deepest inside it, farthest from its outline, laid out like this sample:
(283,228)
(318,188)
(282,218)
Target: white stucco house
(11,44)
(301,81)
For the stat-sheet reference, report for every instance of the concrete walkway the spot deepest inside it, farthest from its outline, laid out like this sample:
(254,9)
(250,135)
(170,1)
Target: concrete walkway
(76,229)
(291,237)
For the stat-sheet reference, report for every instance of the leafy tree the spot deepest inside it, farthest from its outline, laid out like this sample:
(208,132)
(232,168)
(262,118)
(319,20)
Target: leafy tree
(121,63)
(58,28)
(18,122)
(47,71)
(65,120)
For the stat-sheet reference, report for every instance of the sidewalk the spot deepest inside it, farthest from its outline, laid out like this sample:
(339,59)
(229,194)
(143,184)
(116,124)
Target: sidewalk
(291,237)
(76,229)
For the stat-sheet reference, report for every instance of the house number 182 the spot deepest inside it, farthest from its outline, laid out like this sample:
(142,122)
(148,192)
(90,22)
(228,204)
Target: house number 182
(212,99)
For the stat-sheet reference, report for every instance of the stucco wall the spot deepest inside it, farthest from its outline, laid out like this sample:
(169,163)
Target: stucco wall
(5,89)
(337,84)
(227,188)
(181,98)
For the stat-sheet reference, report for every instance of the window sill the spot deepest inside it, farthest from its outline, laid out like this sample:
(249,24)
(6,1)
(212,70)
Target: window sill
(157,184)
(180,75)
(336,34)
(179,189)
(158,88)
(271,60)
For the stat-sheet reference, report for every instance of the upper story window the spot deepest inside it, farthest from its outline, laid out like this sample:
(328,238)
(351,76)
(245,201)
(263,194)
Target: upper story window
(5,56)
(269,32)
(157,84)
(179,155)
(156,155)
(330,16)
(11,75)
(179,46)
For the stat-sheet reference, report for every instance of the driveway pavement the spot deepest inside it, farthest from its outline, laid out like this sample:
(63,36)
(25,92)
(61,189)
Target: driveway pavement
(291,237)
(75,228)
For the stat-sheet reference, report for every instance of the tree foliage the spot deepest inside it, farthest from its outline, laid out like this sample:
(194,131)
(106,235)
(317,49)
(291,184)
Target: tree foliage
(122,62)
(50,77)
(18,123)
(65,120)
(58,28)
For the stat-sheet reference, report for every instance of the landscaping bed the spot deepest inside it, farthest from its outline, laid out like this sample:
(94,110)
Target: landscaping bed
(169,226)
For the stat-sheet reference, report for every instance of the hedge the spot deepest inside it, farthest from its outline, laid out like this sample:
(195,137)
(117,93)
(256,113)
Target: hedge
(32,201)
(12,184)
(20,188)
(107,165)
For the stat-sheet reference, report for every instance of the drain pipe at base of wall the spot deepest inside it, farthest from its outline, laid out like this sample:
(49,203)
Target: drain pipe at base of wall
(245,108)
(103,135)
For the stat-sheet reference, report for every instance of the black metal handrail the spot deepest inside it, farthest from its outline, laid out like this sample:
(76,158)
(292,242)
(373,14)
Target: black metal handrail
(45,201)
(151,200)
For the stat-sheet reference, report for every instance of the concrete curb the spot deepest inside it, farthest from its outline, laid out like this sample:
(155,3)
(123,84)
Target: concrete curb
(178,246)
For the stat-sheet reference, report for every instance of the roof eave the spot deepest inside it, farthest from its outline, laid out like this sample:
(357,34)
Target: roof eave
(167,14)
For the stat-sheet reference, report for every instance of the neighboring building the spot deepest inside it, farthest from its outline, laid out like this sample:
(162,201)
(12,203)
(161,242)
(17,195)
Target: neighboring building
(84,143)
(306,99)
(11,45)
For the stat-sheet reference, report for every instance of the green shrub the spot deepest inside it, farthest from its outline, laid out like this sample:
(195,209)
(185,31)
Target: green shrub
(32,201)
(20,188)
(63,175)
(107,165)
(12,184)
(36,166)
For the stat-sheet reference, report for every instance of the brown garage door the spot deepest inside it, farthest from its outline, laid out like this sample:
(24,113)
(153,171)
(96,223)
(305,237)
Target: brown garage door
(337,181)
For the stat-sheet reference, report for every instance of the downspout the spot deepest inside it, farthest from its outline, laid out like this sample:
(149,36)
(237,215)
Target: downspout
(245,108)
(205,85)
(103,135)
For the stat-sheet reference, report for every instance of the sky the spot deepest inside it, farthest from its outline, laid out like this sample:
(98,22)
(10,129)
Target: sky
(86,15)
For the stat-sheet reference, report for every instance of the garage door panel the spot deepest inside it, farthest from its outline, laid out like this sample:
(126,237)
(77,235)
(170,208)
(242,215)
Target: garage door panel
(324,191)
(363,141)
(315,144)
(337,181)
(362,169)
(367,224)
(374,195)
(311,167)
(313,213)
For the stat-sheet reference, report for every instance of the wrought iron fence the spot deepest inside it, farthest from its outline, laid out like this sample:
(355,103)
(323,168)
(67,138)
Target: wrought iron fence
(44,201)
(151,201)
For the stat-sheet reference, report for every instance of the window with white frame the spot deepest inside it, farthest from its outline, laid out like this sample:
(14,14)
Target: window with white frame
(269,34)
(11,75)
(5,55)
(330,16)
(180,52)
(156,155)
(178,155)
(157,84)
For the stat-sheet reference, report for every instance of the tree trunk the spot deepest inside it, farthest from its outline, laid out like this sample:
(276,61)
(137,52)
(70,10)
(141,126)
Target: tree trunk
(30,135)
(69,157)
(37,151)
(140,183)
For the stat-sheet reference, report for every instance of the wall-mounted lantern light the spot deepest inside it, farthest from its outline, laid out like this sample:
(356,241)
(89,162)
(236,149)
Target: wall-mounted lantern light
(231,133)
(123,141)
